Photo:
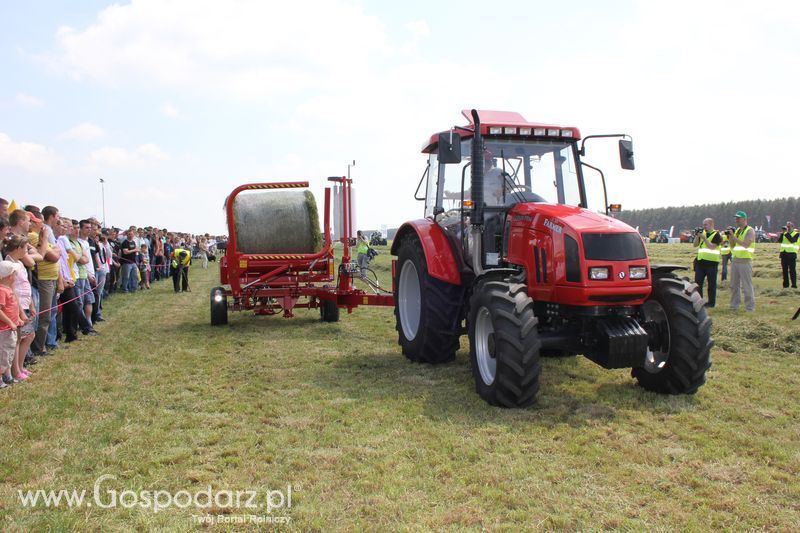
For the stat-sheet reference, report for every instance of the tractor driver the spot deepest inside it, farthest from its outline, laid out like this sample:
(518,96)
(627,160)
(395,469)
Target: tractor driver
(493,181)
(493,192)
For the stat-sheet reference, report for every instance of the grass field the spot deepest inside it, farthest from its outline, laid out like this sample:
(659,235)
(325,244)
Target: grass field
(370,441)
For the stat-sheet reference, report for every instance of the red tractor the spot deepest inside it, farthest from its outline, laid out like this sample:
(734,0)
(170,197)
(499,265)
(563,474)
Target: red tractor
(514,252)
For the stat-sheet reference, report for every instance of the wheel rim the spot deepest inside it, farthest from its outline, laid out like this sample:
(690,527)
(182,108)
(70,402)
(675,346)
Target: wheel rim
(409,300)
(656,360)
(485,346)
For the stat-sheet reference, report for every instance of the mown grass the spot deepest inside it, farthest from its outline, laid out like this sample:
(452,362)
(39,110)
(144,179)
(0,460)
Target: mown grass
(370,441)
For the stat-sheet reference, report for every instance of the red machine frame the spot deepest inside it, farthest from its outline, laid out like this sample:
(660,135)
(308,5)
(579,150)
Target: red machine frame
(270,283)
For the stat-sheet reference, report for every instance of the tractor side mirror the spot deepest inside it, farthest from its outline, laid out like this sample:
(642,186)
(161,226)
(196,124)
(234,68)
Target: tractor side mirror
(626,154)
(449,148)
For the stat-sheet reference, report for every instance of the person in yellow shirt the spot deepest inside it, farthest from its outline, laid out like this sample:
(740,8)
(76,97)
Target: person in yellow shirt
(181,259)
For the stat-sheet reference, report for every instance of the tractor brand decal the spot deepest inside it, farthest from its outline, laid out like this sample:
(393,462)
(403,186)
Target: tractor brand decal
(523,218)
(552,225)
(621,274)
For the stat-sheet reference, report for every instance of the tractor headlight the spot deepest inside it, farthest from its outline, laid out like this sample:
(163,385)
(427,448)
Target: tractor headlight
(552,132)
(511,131)
(598,273)
(539,131)
(637,273)
(218,297)
(525,131)
(495,130)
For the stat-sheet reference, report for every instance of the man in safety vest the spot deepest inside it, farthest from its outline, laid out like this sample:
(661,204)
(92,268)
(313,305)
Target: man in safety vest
(743,248)
(362,248)
(708,242)
(789,249)
(725,253)
(181,259)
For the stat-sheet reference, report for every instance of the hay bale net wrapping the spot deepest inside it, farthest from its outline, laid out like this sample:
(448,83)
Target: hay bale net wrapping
(277,222)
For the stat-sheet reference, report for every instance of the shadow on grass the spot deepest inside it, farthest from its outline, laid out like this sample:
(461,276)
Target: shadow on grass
(566,396)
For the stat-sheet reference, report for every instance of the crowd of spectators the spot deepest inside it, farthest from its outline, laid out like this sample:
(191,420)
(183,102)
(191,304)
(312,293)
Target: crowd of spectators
(57,271)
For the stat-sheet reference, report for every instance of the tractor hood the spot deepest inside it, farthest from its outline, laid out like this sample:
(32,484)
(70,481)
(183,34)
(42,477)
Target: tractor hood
(576,218)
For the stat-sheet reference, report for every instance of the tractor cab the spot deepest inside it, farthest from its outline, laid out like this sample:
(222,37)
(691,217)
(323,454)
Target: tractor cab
(520,162)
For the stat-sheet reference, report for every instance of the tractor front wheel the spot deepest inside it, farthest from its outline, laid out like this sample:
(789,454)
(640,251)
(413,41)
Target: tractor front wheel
(427,310)
(679,352)
(504,344)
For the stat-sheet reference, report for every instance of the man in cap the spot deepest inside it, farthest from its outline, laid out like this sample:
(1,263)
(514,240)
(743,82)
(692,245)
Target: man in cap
(743,248)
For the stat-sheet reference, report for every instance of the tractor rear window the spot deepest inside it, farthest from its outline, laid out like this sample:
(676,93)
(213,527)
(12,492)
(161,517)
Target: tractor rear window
(613,246)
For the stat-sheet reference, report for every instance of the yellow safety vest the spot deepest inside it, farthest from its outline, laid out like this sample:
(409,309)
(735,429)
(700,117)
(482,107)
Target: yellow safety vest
(707,254)
(362,248)
(176,254)
(787,246)
(739,251)
(725,247)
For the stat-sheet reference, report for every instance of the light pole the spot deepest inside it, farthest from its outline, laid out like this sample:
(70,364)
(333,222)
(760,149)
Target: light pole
(103,193)
(348,167)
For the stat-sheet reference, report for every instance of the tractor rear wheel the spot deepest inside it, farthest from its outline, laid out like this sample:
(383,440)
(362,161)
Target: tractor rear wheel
(219,307)
(504,344)
(680,352)
(427,310)
(328,311)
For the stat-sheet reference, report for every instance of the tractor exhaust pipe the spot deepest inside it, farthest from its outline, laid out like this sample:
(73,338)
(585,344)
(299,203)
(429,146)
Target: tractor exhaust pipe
(477,172)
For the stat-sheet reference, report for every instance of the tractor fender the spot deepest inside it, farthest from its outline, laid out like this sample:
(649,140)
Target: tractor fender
(666,269)
(439,257)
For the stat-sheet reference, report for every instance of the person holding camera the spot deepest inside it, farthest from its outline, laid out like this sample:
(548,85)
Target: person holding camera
(707,240)
(725,253)
(743,243)
(788,254)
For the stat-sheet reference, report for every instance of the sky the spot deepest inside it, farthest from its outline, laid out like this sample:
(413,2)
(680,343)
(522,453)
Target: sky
(173,103)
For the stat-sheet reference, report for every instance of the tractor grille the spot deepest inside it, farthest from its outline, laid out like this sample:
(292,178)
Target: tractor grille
(613,246)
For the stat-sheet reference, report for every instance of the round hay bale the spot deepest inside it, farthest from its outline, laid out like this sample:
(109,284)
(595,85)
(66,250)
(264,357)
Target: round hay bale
(277,222)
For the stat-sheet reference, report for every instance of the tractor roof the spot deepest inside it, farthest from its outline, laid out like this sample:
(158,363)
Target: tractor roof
(503,119)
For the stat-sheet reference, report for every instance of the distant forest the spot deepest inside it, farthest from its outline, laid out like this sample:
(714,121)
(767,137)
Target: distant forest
(771,214)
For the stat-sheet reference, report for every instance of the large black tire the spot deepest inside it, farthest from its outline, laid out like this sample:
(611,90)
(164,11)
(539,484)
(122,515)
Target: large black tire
(679,365)
(328,311)
(502,324)
(219,307)
(427,310)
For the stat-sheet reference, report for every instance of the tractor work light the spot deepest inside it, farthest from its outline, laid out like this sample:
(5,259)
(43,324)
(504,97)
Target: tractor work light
(495,130)
(524,131)
(511,131)
(539,131)
(637,273)
(566,133)
(552,132)
(598,273)
(218,297)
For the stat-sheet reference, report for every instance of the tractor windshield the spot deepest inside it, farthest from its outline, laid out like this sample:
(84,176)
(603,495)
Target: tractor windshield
(516,171)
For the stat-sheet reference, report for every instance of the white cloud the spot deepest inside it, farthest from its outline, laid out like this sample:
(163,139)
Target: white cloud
(170,111)
(122,158)
(83,132)
(27,100)
(27,156)
(249,48)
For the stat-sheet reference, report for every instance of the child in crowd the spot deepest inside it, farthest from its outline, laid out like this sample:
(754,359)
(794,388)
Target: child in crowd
(16,250)
(10,319)
(144,266)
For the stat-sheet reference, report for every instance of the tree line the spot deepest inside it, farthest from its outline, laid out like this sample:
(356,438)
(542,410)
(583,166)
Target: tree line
(771,214)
